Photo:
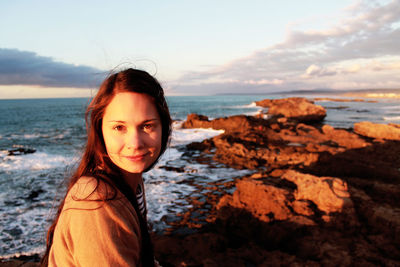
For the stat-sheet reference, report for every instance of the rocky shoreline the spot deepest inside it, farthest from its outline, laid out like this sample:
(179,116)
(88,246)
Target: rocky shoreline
(318,196)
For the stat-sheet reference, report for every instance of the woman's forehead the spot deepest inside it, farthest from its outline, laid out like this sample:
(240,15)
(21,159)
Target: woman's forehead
(131,106)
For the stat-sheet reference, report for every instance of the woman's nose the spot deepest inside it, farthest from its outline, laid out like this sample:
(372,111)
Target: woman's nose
(134,140)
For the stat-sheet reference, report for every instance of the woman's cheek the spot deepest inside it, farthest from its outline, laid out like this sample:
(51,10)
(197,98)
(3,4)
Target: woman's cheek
(157,143)
(113,143)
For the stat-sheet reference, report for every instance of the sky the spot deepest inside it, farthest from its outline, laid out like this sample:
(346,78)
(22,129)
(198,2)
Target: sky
(66,48)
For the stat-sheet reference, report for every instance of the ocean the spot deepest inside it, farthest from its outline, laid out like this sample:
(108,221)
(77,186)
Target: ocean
(32,184)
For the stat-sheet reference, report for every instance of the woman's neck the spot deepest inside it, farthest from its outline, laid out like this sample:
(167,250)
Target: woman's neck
(132,179)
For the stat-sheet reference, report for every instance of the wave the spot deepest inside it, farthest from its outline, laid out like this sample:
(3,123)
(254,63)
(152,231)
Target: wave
(37,136)
(35,161)
(251,105)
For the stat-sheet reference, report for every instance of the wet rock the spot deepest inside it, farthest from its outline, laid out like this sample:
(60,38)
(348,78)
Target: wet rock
(173,169)
(20,151)
(376,130)
(16,231)
(205,145)
(34,194)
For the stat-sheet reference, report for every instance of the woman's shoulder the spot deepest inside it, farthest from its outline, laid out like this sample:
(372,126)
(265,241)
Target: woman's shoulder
(88,188)
(91,193)
(91,218)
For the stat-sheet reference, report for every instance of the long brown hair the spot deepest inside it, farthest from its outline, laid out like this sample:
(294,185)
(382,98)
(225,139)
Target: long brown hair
(95,161)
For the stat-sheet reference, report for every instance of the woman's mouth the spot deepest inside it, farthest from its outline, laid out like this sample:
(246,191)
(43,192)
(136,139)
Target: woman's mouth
(136,157)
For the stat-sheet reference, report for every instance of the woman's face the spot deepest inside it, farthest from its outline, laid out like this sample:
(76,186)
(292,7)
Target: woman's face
(132,131)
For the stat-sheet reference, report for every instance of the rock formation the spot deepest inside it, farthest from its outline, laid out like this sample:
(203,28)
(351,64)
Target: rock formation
(295,108)
(319,196)
(376,130)
(232,124)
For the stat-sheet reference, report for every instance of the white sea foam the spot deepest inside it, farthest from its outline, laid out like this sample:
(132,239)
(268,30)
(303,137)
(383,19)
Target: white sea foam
(171,154)
(391,107)
(31,226)
(35,161)
(251,105)
(32,136)
(255,110)
(27,136)
(394,118)
(162,198)
(182,136)
(51,134)
(167,191)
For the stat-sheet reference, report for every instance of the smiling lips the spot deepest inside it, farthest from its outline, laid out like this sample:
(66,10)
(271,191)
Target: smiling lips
(136,158)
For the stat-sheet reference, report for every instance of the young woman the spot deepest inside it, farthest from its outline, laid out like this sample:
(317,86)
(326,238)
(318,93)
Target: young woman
(102,219)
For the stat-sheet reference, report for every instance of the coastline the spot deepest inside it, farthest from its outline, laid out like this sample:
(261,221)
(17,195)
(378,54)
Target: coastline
(318,196)
(390,95)
(219,220)
(361,93)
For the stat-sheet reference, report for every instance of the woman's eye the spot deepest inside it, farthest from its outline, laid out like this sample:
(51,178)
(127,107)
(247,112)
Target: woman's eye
(147,127)
(118,128)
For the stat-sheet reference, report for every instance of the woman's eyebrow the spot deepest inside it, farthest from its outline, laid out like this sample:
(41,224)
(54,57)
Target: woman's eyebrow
(145,121)
(150,120)
(117,121)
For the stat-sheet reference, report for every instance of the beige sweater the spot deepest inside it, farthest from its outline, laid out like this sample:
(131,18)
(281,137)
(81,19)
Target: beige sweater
(96,233)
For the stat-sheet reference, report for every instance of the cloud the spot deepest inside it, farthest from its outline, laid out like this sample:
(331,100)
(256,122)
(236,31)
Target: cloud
(314,71)
(317,71)
(263,82)
(363,42)
(27,68)
(219,88)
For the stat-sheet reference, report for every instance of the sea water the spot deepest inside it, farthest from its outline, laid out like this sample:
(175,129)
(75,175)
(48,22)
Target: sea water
(31,185)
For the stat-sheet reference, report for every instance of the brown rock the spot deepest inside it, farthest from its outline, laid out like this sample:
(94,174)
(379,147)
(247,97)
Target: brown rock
(343,138)
(264,103)
(271,199)
(329,194)
(196,121)
(377,161)
(382,217)
(229,124)
(265,202)
(18,263)
(309,219)
(297,108)
(302,207)
(376,130)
